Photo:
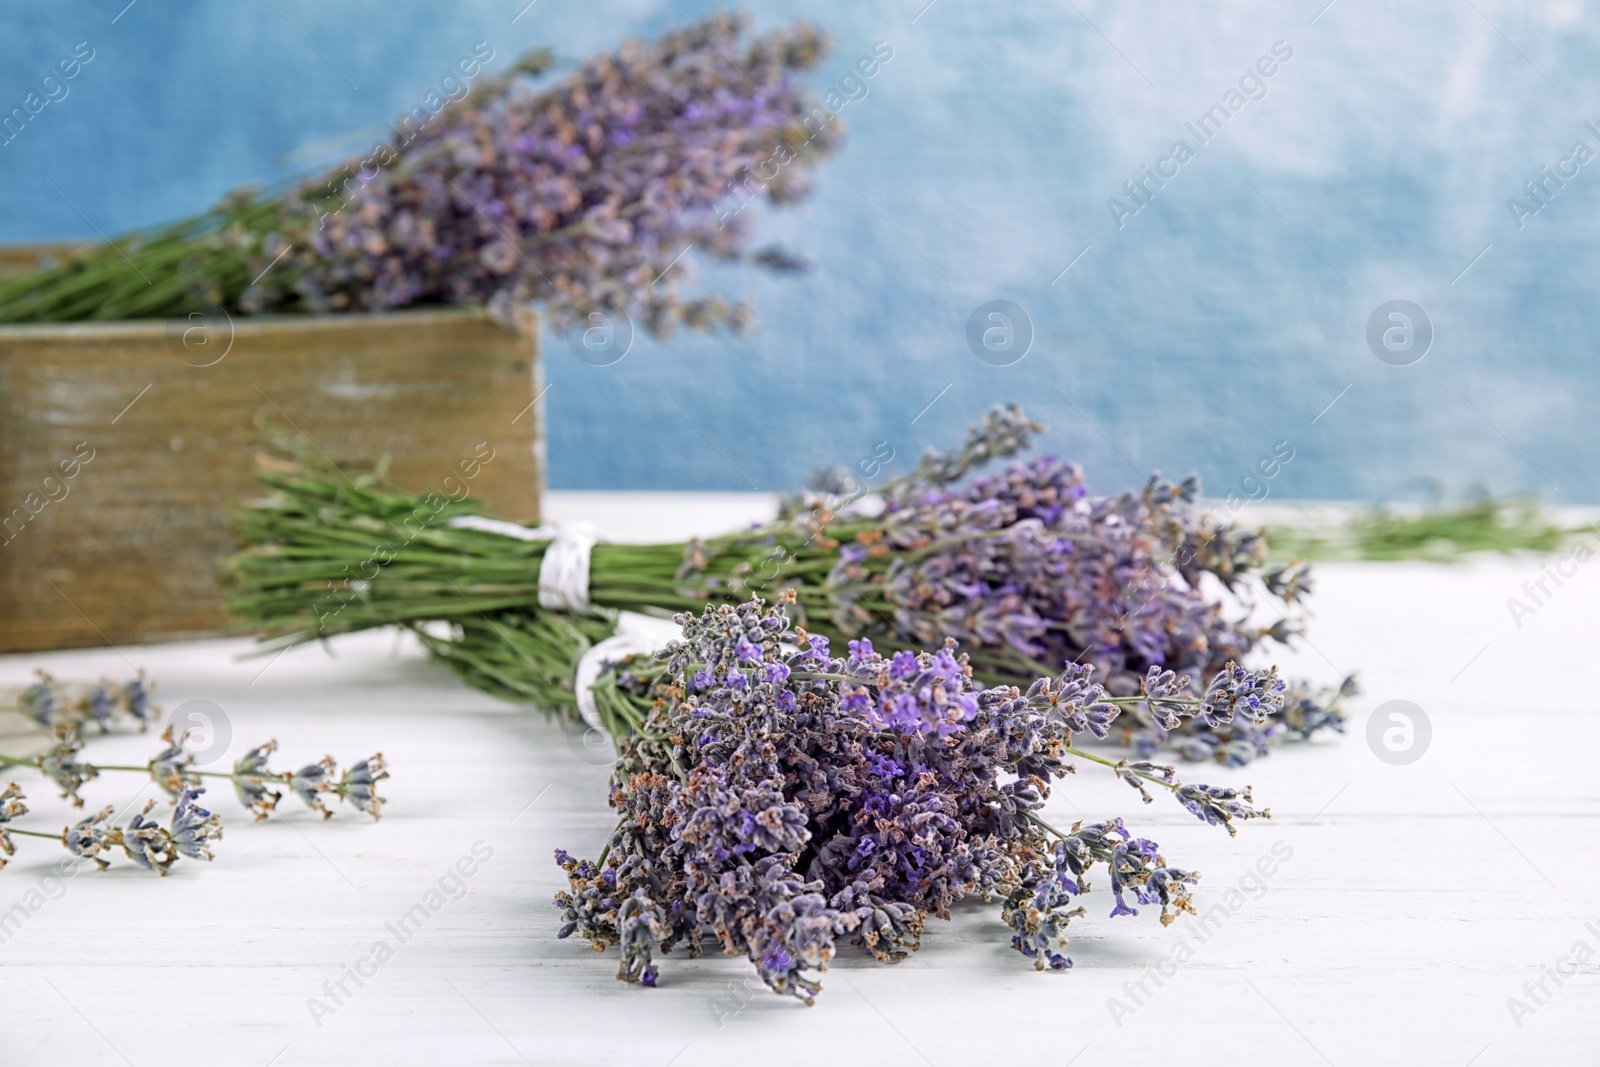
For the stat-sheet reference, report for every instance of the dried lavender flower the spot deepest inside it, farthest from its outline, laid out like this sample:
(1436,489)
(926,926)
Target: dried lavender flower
(311,781)
(136,698)
(778,801)
(250,778)
(11,806)
(1219,806)
(193,827)
(1236,691)
(143,840)
(92,836)
(146,843)
(52,703)
(40,700)
(358,786)
(62,767)
(172,767)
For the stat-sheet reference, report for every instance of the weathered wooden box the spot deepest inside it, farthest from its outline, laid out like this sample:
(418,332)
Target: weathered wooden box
(124,448)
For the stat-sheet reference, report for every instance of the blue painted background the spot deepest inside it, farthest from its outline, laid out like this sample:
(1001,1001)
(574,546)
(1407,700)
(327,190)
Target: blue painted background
(1220,319)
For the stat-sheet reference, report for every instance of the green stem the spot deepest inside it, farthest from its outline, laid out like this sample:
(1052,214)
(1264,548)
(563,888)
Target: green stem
(36,833)
(13,761)
(1040,822)
(1119,765)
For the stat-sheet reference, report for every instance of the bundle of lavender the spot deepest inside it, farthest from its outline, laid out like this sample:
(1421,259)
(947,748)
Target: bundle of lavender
(776,800)
(68,710)
(580,197)
(1023,567)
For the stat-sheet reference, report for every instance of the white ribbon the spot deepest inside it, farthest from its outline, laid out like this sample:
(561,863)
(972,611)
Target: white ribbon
(503,528)
(637,635)
(564,571)
(564,586)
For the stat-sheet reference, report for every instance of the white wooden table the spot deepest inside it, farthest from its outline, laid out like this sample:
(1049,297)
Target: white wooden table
(1417,900)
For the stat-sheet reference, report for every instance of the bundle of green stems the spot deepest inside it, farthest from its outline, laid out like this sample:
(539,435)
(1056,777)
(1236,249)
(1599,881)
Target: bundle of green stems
(204,261)
(1021,567)
(336,550)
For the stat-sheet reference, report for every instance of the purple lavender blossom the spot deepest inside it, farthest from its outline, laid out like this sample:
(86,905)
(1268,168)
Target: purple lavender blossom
(849,799)
(1029,571)
(578,197)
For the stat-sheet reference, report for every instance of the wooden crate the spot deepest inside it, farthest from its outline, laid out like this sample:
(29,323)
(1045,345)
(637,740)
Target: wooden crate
(16,260)
(158,423)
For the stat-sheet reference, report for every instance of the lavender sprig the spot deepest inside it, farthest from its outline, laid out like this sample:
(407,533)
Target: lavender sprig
(68,709)
(105,703)
(11,806)
(142,840)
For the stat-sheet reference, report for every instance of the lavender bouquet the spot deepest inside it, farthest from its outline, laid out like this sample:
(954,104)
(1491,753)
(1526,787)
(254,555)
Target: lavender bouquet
(580,197)
(1024,567)
(776,800)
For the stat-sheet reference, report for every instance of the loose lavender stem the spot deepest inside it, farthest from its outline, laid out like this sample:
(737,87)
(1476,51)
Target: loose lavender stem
(34,833)
(1120,766)
(14,761)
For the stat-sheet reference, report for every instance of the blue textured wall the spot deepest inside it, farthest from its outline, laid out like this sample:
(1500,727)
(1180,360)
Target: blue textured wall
(1221,318)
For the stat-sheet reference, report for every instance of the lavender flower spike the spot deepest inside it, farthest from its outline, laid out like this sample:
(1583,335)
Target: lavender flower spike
(52,703)
(1255,695)
(1219,806)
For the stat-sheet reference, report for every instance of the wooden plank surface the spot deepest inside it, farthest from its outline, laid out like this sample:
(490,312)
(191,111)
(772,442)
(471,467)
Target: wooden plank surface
(159,423)
(1416,900)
